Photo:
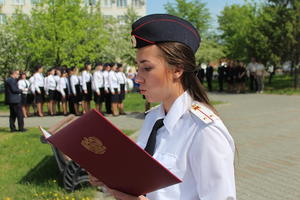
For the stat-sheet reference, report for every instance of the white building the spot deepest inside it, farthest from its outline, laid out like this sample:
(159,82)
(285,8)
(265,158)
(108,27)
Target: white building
(115,8)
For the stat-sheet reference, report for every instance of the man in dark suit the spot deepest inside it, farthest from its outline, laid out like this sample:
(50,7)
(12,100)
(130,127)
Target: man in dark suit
(13,99)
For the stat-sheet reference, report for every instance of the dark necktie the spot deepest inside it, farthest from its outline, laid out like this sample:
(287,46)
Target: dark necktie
(152,138)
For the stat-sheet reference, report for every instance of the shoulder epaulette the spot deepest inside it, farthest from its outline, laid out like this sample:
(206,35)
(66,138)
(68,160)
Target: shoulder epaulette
(203,113)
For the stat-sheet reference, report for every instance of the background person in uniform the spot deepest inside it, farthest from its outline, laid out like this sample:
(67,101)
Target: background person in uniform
(98,83)
(107,96)
(63,89)
(230,76)
(196,147)
(251,68)
(114,87)
(57,102)
(76,93)
(50,88)
(24,85)
(259,76)
(123,87)
(87,86)
(201,74)
(32,90)
(241,77)
(221,76)
(39,83)
(209,76)
(13,99)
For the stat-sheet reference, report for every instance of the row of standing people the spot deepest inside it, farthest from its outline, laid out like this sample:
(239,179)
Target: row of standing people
(233,73)
(68,88)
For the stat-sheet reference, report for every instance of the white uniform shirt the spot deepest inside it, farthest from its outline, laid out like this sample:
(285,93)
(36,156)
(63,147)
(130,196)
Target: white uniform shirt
(106,82)
(38,81)
(251,67)
(50,83)
(32,87)
(24,85)
(113,81)
(122,79)
(57,78)
(74,81)
(63,81)
(98,80)
(86,77)
(198,152)
(260,69)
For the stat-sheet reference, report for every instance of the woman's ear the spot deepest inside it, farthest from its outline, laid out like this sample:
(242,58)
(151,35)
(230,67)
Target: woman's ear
(177,72)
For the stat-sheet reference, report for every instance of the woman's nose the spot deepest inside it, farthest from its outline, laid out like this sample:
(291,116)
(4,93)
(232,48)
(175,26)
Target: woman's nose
(139,79)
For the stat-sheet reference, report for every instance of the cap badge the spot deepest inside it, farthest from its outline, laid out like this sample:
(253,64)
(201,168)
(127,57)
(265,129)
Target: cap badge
(133,41)
(94,145)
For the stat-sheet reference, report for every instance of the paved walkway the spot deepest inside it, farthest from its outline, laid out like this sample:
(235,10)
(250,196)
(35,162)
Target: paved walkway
(266,129)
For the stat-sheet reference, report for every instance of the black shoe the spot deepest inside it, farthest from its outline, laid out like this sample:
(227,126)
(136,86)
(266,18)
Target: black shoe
(13,130)
(23,130)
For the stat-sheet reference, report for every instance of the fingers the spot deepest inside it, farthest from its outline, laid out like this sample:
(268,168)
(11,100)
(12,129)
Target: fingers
(94,181)
(122,196)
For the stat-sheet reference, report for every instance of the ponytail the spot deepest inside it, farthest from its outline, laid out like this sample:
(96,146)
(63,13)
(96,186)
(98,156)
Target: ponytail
(180,55)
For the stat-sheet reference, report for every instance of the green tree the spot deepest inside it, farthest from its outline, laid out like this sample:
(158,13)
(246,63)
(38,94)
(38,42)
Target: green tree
(194,11)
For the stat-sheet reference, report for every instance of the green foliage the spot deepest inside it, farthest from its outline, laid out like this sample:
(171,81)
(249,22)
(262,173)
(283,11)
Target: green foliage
(30,169)
(119,47)
(64,32)
(196,12)
(193,11)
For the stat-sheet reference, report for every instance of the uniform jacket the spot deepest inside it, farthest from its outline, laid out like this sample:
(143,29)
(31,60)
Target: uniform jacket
(12,92)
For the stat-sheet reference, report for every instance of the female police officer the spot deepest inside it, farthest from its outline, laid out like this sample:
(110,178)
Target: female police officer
(184,133)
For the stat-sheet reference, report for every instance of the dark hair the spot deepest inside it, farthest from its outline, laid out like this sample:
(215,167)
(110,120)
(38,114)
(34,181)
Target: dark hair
(180,55)
(119,65)
(36,68)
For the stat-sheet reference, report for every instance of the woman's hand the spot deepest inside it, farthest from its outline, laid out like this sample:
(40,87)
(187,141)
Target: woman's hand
(94,181)
(122,196)
(117,194)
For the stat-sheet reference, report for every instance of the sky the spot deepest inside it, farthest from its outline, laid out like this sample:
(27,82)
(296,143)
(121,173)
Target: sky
(214,6)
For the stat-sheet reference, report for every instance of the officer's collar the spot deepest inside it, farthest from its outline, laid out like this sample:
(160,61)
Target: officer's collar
(178,108)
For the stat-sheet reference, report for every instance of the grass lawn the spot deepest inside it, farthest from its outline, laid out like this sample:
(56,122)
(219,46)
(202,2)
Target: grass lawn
(28,170)
(281,84)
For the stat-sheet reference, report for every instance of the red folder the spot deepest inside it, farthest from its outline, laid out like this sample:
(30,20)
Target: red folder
(103,150)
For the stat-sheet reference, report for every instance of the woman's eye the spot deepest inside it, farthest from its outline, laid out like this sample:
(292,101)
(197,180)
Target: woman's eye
(147,69)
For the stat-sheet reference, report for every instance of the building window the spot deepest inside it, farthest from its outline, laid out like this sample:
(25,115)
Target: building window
(90,2)
(19,2)
(35,1)
(106,3)
(121,3)
(138,3)
(2,18)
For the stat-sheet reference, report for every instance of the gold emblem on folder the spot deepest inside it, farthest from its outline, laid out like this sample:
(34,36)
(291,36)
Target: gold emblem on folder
(94,145)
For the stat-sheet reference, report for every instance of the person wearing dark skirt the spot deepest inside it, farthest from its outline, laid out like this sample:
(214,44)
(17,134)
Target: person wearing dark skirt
(241,77)
(107,95)
(76,93)
(123,88)
(63,89)
(50,89)
(114,87)
(24,85)
(87,86)
(98,85)
(39,89)
(57,95)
